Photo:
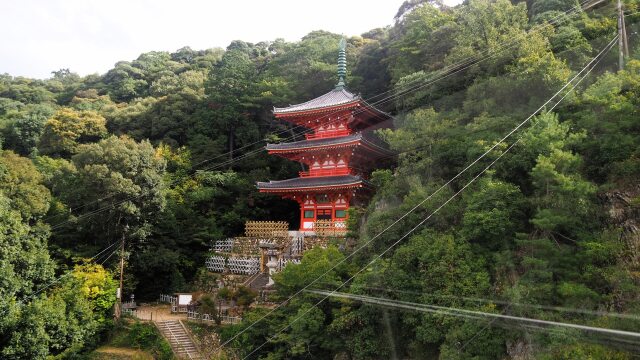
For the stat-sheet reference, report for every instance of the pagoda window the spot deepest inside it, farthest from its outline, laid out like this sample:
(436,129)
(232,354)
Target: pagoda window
(309,214)
(328,164)
(341,214)
(324,214)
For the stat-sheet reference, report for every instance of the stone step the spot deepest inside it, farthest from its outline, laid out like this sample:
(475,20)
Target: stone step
(179,340)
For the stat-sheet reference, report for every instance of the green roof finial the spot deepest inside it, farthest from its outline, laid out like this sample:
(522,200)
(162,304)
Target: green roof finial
(342,63)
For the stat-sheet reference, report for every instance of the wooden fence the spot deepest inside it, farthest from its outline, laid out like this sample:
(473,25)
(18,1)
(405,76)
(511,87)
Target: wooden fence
(148,315)
(266,229)
(324,228)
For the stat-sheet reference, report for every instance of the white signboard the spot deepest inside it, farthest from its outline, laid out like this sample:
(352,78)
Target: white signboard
(184,299)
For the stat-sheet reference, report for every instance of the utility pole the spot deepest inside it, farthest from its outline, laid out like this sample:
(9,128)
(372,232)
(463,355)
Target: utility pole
(622,38)
(624,33)
(118,309)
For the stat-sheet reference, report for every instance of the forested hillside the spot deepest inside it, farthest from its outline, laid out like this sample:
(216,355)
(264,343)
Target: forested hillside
(163,152)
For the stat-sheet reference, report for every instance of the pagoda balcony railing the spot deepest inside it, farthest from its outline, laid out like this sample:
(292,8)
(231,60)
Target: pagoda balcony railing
(328,134)
(325,172)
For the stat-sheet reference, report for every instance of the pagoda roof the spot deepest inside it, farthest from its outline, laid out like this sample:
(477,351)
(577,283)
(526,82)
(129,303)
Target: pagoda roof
(342,141)
(335,97)
(307,183)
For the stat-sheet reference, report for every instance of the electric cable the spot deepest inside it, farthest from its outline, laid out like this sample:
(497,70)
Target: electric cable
(466,62)
(607,47)
(451,311)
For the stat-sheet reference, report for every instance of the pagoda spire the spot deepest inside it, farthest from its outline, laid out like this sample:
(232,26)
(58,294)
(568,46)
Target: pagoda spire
(342,63)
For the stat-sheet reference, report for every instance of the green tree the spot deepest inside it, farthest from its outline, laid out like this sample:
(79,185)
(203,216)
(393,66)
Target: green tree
(608,115)
(423,40)
(230,91)
(98,286)
(564,199)
(26,127)
(25,262)
(315,262)
(493,215)
(67,129)
(22,183)
(120,179)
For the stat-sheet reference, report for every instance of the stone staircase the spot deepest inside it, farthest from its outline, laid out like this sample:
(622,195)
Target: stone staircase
(257,281)
(180,342)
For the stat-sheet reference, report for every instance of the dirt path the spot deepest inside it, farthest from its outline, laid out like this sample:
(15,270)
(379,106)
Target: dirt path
(159,312)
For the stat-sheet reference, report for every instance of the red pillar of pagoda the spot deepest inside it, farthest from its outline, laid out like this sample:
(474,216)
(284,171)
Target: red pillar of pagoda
(338,152)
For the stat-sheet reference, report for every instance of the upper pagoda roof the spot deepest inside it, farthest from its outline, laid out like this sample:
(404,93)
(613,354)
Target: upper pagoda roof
(349,140)
(335,97)
(308,183)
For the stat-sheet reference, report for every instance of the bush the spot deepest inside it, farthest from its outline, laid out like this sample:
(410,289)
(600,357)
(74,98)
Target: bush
(147,337)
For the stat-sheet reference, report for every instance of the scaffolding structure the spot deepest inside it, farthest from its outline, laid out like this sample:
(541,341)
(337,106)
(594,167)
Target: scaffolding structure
(223,246)
(269,250)
(243,265)
(215,263)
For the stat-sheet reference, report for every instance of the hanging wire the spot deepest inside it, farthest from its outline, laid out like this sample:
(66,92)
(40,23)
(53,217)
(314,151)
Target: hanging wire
(379,256)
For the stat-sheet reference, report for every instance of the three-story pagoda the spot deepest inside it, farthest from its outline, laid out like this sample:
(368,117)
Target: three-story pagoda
(339,152)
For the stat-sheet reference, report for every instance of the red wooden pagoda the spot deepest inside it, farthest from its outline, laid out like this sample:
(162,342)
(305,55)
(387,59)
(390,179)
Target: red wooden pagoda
(339,152)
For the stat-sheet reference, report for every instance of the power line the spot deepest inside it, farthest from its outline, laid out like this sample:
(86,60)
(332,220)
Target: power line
(404,92)
(559,308)
(223,164)
(510,303)
(412,209)
(113,205)
(379,256)
(434,193)
(469,60)
(444,73)
(451,311)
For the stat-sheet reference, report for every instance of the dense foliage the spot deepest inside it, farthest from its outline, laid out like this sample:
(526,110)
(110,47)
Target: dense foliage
(163,152)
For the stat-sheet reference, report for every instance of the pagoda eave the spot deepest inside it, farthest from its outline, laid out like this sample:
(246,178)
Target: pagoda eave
(313,189)
(357,141)
(318,111)
(298,150)
(313,184)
